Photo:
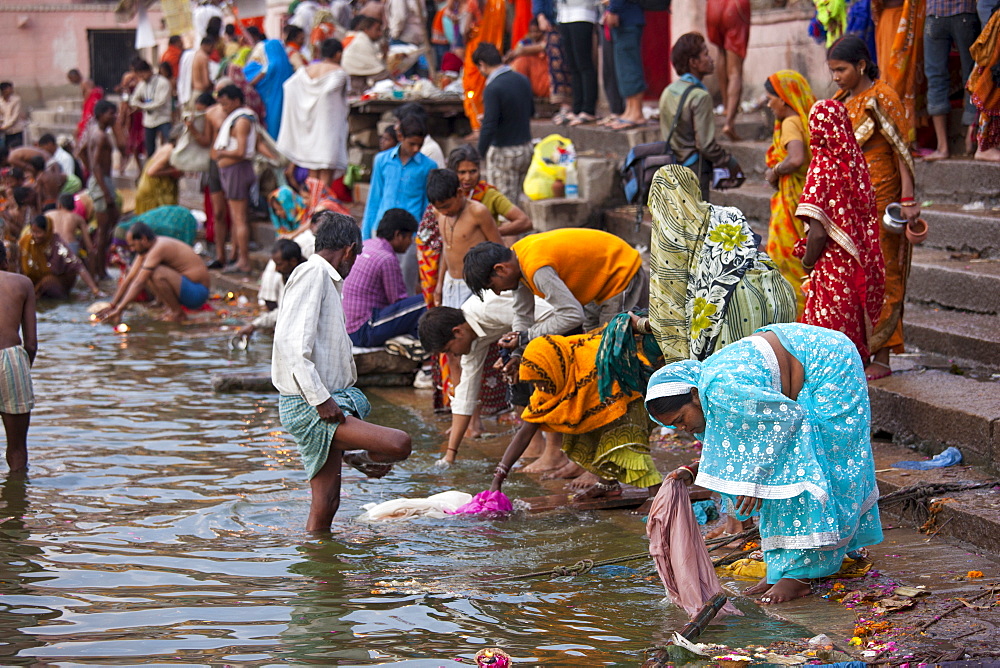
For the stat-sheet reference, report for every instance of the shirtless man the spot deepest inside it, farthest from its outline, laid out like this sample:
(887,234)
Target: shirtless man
(463,223)
(169,268)
(213,119)
(49,182)
(201,79)
(95,154)
(18,344)
(68,224)
(234,147)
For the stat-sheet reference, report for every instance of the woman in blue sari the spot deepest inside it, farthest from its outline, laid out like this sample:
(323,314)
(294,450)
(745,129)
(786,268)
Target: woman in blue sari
(783,416)
(269,79)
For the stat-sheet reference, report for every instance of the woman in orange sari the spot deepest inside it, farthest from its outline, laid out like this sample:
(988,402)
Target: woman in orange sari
(881,128)
(790,98)
(899,48)
(984,92)
(847,276)
(491,30)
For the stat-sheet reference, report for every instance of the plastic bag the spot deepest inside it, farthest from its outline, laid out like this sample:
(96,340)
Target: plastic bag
(486,503)
(548,164)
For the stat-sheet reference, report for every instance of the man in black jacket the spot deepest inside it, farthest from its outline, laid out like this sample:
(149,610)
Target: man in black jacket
(505,135)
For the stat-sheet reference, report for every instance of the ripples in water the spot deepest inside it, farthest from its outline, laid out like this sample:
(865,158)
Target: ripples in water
(161,523)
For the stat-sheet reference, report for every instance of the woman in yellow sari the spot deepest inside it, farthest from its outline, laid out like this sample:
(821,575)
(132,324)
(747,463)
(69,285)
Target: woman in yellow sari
(790,98)
(608,437)
(882,129)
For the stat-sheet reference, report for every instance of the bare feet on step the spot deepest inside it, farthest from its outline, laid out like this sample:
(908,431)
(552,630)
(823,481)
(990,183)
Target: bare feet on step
(937,155)
(786,589)
(567,470)
(547,463)
(730,133)
(758,588)
(991,155)
(599,490)
(584,481)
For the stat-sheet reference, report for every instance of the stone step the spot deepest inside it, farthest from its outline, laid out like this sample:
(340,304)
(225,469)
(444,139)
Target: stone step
(54,117)
(957,181)
(560,212)
(970,339)
(939,278)
(951,228)
(935,409)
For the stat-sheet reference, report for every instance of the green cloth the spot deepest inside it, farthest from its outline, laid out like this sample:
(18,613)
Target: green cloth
(72,186)
(313,434)
(168,221)
(618,451)
(618,357)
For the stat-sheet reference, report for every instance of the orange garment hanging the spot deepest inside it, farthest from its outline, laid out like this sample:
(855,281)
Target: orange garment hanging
(490,30)
(899,35)
(522,20)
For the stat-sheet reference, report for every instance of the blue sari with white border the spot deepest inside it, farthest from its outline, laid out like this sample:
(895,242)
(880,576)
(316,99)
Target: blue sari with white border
(809,460)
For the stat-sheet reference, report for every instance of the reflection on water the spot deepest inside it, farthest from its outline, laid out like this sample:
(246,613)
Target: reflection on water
(162,523)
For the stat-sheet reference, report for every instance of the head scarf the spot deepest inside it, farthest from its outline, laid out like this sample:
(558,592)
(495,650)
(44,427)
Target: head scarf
(568,399)
(794,90)
(839,195)
(292,206)
(699,255)
(673,380)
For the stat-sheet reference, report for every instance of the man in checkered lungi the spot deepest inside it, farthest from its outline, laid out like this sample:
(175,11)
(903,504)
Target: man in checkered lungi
(313,369)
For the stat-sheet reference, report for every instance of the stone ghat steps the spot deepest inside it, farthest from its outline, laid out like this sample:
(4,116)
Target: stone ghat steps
(969,339)
(958,181)
(932,409)
(951,228)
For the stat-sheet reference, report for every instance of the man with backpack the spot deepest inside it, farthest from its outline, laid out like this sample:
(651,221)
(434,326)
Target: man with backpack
(693,141)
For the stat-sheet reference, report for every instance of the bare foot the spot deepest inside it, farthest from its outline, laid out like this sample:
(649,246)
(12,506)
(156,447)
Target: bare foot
(786,589)
(758,588)
(602,489)
(584,481)
(644,508)
(173,316)
(360,460)
(567,470)
(970,140)
(937,155)
(730,133)
(543,463)
(877,370)
(474,432)
(990,155)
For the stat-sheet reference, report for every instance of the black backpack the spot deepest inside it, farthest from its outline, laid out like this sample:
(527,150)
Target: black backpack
(644,160)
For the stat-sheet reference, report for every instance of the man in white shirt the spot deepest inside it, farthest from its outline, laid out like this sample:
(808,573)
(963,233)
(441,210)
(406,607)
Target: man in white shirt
(60,156)
(153,96)
(313,370)
(468,333)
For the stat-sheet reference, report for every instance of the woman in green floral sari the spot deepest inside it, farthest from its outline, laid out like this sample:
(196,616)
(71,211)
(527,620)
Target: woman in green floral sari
(709,284)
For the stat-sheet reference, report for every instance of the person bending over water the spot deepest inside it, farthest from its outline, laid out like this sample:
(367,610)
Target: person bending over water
(50,264)
(783,416)
(169,268)
(18,344)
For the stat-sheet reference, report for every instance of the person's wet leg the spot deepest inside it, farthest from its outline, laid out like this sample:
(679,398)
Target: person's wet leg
(16,427)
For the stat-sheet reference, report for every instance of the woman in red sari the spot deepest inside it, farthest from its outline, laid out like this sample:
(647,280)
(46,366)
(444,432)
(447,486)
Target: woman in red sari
(841,252)
(882,130)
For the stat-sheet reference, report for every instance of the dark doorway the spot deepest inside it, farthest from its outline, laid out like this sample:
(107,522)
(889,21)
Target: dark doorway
(111,53)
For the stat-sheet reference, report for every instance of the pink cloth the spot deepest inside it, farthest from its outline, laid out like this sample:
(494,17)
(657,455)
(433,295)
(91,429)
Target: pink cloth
(486,503)
(678,550)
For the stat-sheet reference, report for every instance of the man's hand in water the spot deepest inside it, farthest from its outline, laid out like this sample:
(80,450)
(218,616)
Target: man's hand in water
(510,371)
(110,313)
(247,331)
(330,411)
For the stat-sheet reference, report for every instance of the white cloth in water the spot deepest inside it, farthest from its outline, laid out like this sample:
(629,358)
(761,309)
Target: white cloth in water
(437,507)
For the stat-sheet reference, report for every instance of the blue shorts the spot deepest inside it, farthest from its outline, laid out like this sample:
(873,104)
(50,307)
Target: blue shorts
(193,295)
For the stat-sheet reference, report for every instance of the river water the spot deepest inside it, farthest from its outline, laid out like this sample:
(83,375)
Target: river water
(162,524)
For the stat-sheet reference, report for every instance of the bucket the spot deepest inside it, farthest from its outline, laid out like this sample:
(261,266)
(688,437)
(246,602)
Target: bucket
(893,220)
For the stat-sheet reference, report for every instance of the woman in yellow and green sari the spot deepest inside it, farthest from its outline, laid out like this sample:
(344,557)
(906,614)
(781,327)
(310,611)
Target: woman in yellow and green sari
(709,285)
(790,98)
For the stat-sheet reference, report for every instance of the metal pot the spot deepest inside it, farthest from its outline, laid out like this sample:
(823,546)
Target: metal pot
(893,220)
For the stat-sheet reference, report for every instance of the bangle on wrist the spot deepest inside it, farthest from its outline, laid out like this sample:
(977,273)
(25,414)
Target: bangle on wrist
(502,468)
(908,205)
(688,469)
